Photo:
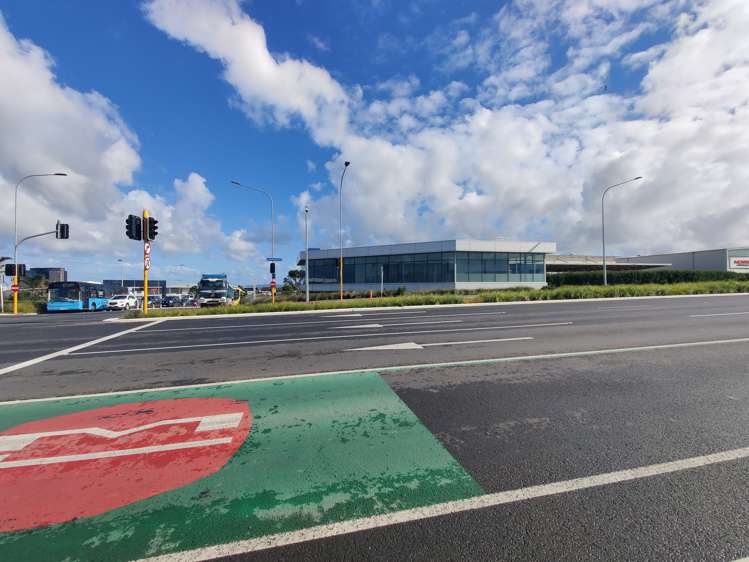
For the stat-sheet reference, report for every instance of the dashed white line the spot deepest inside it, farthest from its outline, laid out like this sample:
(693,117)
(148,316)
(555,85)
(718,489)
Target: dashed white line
(449,508)
(316,338)
(718,314)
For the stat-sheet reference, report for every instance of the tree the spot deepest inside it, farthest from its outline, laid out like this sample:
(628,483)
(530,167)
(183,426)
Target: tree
(294,281)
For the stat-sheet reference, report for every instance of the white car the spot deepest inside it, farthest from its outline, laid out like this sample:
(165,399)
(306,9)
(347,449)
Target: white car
(122,302)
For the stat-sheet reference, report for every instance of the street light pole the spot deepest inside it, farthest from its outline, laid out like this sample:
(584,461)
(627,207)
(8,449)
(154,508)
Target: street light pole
(15,231)
(603,222)
(2,283)
(122,272)
(306,254)
(340,223)
(272,232)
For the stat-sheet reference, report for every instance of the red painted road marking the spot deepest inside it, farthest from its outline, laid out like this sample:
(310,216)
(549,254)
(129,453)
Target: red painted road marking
(91,462)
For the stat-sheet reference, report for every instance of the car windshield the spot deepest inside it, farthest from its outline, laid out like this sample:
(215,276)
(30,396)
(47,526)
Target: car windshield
(119,298)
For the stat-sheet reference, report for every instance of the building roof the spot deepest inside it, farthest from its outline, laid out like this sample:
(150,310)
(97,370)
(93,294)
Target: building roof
(463,245)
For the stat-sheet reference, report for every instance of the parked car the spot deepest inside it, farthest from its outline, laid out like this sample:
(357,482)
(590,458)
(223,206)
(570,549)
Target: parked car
(122,302)
(170,301)
(155,301)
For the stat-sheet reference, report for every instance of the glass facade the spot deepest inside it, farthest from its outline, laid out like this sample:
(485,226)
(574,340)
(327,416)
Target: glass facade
(436,267)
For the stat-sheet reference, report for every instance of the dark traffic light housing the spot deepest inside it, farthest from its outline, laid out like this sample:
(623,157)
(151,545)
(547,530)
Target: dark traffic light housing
(10,269)
(62,231)
(152,229)
(272,268)
(134,227)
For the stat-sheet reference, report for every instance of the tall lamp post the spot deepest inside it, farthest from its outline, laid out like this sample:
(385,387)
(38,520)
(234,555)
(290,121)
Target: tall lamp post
(15,230)
(340,223)
(122,272)
(272,225)
(603,222)
(306,255)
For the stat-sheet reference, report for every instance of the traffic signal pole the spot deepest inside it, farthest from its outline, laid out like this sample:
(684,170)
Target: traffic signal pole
(146,261)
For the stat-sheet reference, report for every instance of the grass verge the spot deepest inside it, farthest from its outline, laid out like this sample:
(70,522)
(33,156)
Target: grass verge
(506,295)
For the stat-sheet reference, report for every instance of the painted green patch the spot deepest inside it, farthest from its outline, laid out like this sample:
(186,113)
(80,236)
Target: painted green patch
(321,450)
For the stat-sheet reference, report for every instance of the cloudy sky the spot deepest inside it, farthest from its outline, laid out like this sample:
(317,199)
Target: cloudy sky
(461,119)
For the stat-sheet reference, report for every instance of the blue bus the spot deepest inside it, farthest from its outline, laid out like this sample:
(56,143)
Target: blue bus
(75,295)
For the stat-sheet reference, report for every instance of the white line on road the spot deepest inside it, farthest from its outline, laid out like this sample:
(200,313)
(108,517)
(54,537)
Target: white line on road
(452,507)
(273,324)
(414,345)
(718,314)
(69,350)
(387,369)
(314,338)
(396,324)
(345,316)
(115,453)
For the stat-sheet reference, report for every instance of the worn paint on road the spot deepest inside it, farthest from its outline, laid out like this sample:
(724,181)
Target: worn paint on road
(320,450)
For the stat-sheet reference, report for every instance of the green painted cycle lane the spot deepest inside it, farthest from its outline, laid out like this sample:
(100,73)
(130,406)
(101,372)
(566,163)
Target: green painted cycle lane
(319,450)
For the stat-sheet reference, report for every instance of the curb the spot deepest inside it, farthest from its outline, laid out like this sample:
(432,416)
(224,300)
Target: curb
(415,307)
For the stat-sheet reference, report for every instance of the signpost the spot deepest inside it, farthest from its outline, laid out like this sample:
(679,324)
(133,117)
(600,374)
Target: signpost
(143,228)
(14,288)
(273,277)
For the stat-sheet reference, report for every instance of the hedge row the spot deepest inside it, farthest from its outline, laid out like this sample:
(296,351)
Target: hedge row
(657,277)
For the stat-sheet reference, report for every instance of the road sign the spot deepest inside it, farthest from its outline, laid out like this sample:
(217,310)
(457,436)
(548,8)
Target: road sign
(272,283)
(147,248)
(14,288)
(87,463)
(273,259)
(147,263)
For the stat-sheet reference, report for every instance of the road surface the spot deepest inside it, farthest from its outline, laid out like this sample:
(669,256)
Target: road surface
(592,430)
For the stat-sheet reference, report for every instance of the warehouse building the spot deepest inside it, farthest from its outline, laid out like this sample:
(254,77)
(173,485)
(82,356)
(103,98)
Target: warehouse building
(723,259)
(426,266)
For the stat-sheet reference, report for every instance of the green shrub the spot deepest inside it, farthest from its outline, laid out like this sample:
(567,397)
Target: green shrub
(660,277)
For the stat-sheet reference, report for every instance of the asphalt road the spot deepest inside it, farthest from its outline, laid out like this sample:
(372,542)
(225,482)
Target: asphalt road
(520,396)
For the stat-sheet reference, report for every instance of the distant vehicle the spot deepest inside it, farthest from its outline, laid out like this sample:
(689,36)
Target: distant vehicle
(214,290)
(155,301)
(170,301)
(122,302)
(66,296)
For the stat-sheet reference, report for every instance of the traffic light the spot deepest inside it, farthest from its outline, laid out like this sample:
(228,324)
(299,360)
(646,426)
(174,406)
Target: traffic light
(62,231)
(272,268)
(152,229)
(133,227)
(10,270)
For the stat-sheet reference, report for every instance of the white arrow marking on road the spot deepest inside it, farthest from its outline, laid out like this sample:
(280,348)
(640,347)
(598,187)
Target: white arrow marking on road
(414,345)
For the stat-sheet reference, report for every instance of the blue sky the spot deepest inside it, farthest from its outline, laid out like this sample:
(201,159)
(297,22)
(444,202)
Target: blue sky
(462,119)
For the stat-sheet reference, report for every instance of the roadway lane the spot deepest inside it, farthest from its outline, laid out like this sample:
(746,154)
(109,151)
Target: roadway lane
(26,337)
(184,351)
(520,425)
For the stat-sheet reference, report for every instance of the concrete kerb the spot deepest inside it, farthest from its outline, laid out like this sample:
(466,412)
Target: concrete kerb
(417,307)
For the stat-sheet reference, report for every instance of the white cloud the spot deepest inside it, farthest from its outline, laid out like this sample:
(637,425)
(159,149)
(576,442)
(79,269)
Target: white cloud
(530,155)
(318,43)
(48,127)
(311,166)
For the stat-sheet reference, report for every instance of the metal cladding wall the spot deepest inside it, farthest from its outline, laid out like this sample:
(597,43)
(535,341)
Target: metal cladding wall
(723,259)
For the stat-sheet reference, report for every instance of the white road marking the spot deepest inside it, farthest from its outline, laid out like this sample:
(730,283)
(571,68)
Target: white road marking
(396,324)
(116,453)
(69,350)
(19,441)
(414,345)
(344,316)
(625,307)
(315,338)
(313,322)
(718,314)
(385,369)
(452,507)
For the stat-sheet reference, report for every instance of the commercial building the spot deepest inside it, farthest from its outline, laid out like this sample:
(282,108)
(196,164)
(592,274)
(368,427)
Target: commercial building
(722,259)
(51,274)
(134,287)
(574,263)
(425,266)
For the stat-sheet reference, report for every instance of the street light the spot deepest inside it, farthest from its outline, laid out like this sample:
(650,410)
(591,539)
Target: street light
(15,230)
(603,222)
(340,222)
(272,214)
(122,272)
(306,254)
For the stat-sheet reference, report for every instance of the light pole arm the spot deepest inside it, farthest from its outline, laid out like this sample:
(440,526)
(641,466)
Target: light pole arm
(272,213)
(34,236)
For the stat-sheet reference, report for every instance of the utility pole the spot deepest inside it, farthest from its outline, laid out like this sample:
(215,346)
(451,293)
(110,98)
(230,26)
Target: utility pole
(603,224)
(306,254)
(146,260)
(340,223)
